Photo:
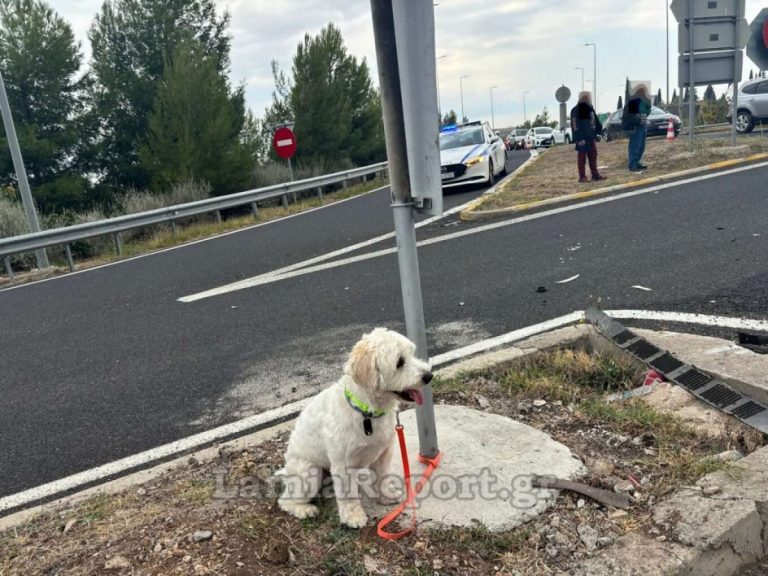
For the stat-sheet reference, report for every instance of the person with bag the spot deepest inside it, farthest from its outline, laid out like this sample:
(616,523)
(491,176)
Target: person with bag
(633,121)
(585,128)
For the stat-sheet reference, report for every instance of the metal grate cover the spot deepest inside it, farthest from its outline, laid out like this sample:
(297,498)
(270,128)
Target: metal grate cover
(720,395)
(748,410)
(693,379)
(623,337)
(666,363)
(643,349)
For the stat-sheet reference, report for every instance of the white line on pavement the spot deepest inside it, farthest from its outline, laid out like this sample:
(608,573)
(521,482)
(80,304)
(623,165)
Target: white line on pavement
(300,269)
(687,318)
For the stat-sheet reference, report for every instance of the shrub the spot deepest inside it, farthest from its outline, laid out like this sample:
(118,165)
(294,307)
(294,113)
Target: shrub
(13,222)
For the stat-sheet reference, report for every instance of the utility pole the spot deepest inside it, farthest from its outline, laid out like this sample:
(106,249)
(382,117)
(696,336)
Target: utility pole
(493,119)
(525,111)
(21,173)
(400,182)
(582,75)
(594,81)
(439,104)
(691,80)
(461,91)
(666,7)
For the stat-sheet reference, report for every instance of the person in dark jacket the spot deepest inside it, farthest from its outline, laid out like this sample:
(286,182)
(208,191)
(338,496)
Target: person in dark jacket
(633,121)
(585,128)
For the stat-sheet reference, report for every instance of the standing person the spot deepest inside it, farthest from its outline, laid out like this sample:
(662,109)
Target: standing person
(585,127)
(633,122)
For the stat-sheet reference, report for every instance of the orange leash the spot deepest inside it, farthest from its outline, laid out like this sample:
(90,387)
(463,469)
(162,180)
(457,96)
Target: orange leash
(411,492)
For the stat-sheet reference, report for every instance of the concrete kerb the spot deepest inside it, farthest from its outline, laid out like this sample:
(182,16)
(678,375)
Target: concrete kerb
(471,213)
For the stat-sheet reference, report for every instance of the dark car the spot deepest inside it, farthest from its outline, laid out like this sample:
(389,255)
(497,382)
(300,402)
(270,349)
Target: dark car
(658,123)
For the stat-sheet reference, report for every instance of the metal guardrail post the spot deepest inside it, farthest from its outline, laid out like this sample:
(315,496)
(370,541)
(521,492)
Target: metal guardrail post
(9,268)
(344,185)
(320,193)
(218,216)
(69,257)
(254,209)
(285,201)
(118,243)
(173,228)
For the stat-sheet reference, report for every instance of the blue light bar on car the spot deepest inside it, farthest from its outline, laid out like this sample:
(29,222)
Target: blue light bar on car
(449,128)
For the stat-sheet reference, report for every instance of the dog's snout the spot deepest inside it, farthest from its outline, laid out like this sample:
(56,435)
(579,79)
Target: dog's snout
(427,378)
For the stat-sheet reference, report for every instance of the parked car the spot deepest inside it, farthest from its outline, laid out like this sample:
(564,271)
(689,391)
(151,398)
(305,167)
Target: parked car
(471,153)
(753,105)
(516,139)
(658,124)
(543,136)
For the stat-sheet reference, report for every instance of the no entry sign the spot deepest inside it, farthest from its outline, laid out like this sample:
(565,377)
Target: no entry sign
(284,143)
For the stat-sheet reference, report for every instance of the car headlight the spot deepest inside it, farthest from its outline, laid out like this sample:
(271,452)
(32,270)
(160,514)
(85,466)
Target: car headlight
(474,161)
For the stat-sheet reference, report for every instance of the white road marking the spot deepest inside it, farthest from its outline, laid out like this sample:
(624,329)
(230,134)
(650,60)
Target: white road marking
(571,279)
(643,288)
(687,318)
(149,457)
(277,275)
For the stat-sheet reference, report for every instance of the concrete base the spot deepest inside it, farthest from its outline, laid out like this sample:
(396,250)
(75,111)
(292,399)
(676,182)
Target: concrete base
(486,468)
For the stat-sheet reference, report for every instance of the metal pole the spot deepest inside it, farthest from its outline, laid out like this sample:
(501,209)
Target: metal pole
(525,111)
(9,268)
(461,92)
(594,79)
(736,74)
(69,258)
(402,204)
(666,6)
(21,173)
(691,78)
(493,117)
(290,168)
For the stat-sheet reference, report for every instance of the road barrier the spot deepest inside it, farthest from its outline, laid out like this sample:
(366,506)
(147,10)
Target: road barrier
(115,226)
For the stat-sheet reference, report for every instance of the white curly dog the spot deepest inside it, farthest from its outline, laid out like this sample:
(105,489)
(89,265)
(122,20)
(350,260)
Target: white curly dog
(350,427)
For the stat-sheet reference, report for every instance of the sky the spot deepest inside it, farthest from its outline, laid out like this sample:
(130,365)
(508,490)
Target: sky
(520,46)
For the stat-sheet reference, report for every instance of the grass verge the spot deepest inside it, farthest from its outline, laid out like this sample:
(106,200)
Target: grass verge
(555,173)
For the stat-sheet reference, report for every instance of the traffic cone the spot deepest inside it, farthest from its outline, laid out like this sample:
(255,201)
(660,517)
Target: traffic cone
(670,131)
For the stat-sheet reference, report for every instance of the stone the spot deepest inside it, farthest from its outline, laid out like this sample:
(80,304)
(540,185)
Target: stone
(69,525)
(727,533)
(485,477)
(588,536)
(580,503)
(539,403)
(202,535)
(729,456)
(551,550)
(117,563)
(624,487)
(711,490)
(482,401)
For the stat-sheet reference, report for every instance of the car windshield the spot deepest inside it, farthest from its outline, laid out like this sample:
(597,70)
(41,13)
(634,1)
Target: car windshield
(543,130)
(521,132)
(450,140)
(657,111)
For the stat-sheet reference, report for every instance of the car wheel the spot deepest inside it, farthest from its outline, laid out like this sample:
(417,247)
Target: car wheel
(745,122)
(491,175)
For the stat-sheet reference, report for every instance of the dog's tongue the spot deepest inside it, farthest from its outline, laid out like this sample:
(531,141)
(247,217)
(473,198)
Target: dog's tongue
(417,397)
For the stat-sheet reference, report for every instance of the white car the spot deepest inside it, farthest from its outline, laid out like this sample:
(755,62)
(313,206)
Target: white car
(543,136)
(471,153)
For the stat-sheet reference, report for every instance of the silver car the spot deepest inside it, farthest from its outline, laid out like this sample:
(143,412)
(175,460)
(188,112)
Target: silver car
(753,105)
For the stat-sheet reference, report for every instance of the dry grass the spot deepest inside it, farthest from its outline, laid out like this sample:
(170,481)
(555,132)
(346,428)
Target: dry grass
(555,173)
(151,526)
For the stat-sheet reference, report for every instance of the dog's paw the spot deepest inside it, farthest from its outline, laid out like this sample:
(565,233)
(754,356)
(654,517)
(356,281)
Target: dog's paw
(354,517)
(299,510)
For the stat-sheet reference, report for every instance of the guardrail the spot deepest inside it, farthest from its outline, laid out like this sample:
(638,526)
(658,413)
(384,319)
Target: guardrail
(169,215)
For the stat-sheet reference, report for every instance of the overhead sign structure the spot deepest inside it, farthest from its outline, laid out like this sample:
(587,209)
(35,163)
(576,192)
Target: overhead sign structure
(284,143)
(712,34)
(757,44)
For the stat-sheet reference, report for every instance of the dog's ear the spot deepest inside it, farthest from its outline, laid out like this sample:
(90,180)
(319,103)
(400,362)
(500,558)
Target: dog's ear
(361,365)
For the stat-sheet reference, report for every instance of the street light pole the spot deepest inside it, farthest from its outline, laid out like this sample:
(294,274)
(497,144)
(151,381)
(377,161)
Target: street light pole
(582,75)
(21,173)
(666,5)
(493,118)
(594,80)
(461,90)
(525,111)
(439,104)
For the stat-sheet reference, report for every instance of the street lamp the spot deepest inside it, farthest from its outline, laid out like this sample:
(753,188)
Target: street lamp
(525,112)
(493,118)
(594,83)
(582,76)
(461,91)
(439,105)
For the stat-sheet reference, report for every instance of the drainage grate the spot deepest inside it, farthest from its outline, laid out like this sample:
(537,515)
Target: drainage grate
(693,379)
(666,363)
(720,395)
(748,410)
(623,337)
(643,349)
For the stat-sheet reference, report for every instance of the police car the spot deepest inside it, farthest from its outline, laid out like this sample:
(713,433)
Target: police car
(471,153)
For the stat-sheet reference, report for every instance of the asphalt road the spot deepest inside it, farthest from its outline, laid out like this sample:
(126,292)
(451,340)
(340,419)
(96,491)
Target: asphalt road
(100,365)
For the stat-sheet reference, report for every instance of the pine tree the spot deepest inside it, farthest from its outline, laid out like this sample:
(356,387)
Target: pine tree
(131,41)
(195,125)
(450,118)
(40,61)
(709,94)
(619,104)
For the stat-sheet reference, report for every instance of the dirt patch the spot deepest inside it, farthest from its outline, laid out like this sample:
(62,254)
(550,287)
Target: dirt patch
(555,174)
(220,517)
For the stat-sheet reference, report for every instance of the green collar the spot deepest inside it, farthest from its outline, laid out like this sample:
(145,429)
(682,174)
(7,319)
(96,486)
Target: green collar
(361,406)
